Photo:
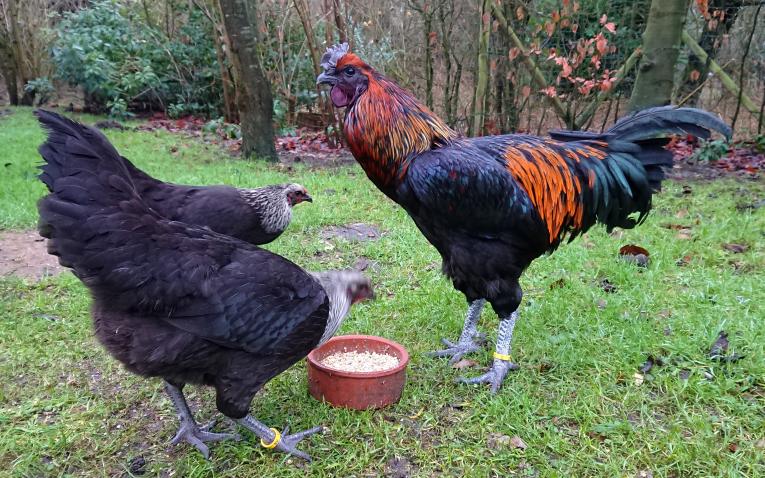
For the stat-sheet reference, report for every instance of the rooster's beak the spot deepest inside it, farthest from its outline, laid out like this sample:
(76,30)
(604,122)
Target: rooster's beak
(324,78)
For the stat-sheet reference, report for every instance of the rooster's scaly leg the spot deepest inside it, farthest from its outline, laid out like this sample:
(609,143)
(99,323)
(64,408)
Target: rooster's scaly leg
(189,431)
(466,343)
(502,363)
(271,438)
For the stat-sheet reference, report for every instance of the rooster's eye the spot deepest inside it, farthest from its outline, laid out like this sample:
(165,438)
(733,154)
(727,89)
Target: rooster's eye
(350,71)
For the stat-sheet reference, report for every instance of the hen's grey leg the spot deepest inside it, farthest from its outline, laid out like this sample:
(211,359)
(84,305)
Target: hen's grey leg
(272,438)
(466,342)
(189,431)
(502,363)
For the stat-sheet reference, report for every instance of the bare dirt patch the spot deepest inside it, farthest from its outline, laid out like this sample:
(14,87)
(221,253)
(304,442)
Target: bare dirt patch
(24,254)
(352,232)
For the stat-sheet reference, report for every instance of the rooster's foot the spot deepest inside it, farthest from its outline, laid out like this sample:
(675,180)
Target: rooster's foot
(456,350)
(495,376)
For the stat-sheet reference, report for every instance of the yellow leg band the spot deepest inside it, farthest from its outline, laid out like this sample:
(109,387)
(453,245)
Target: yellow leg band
(277,439)
(504,357)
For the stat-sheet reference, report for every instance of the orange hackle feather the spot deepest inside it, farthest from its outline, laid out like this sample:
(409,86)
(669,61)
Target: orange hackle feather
(387,126)
(546,178)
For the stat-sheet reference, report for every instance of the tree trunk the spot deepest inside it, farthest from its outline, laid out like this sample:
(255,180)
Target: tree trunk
(253,94)
(342,30)
(426,11)
(8,69)
(482,83)
(446,21)
(661,45)
(427,17)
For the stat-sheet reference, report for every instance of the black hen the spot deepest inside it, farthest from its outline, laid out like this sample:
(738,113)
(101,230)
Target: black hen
(177,301)
(257,216)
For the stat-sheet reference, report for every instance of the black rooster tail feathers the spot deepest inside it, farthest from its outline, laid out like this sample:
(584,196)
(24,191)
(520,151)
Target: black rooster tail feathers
(649,130)
(666,120)
(634,165)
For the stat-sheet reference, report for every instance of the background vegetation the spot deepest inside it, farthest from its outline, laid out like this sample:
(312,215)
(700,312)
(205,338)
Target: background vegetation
(174,56)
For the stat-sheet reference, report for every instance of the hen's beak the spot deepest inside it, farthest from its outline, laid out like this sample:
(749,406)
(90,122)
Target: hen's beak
(326,79)
(307,197)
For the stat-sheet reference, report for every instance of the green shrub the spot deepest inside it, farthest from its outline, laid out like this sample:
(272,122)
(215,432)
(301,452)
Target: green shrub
(122,63)
(40,88)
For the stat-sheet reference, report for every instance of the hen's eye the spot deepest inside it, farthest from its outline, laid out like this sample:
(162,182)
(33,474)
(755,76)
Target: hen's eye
(350,71)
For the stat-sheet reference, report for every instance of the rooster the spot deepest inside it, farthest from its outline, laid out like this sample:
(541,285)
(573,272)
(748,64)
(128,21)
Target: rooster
(491,205)
(179,301)
(257,216)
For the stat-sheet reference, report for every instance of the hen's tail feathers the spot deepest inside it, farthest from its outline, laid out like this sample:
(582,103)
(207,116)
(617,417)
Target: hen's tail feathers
(86,177)
(636,159)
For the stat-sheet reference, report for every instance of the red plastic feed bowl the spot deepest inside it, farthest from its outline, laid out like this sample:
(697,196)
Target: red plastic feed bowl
(357,390)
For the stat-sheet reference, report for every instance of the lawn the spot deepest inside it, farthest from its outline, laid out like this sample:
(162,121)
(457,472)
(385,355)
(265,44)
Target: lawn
(68,409)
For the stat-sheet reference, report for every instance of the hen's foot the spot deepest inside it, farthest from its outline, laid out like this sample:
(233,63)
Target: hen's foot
(197,436)
(272,439)
(288,443)
(495,376)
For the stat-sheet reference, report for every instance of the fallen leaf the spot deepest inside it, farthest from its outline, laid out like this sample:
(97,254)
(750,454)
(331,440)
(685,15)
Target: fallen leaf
(681,213)
(464,363)
(497,440)
(720,347)
(684,261)
(634,254)
(733,447)
(684,234)
(676,227)
(735,248)
(644,474)
(558,283)
(516,442)
(607,286)
(760,444)
(647,365)
(639,378)
(137,465)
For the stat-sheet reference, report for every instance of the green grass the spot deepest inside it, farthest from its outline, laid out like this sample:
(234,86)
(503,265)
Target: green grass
(67,408)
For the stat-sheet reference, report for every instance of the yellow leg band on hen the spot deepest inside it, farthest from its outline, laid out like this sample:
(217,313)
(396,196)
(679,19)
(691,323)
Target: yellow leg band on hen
(277,439)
